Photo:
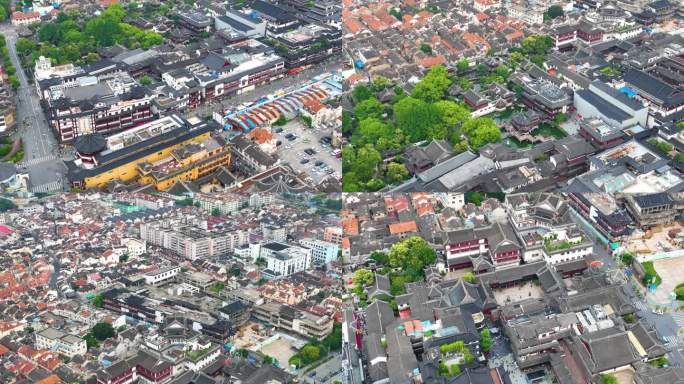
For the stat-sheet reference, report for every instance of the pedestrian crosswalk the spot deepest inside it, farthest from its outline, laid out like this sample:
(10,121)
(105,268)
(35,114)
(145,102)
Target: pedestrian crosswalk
(640,305)
(671,341)
(54,186)
(37,160)
(678,318)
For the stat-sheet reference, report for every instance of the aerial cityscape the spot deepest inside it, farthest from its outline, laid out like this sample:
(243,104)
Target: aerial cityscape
(508,95)
(342,192)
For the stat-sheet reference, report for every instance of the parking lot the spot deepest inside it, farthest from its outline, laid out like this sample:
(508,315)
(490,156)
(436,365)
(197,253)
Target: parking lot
(328,372)
(319,164)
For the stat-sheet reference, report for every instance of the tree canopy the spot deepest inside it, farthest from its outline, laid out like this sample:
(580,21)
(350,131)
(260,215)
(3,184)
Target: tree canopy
(363,277)
(103,331)
(433,85)
(412,255)
(69,40)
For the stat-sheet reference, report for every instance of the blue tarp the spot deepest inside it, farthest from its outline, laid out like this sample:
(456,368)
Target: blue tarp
(628,91)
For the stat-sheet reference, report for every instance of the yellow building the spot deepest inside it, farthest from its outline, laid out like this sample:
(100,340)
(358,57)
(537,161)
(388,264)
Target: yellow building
(158,153)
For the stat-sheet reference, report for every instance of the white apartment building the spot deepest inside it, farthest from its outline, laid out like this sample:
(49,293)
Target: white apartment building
(60,342)
(192,242)
(451,200)
(225,204)
(162,275)
(323,252)
(284,260)
(134,247)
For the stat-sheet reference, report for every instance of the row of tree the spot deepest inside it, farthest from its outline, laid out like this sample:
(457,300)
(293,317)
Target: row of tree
(6,63)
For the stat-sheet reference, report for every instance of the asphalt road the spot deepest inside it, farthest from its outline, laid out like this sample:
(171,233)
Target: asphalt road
(41,150)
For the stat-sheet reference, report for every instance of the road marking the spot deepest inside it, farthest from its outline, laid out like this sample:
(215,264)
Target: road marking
(37,160)
(54,186)
(678,318)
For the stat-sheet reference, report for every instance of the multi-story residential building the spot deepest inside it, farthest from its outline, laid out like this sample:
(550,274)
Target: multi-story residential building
(190,241)
(322,11)
(159,153)
(8,114)
(451,200)
(534,340)
(323,252)
(225,203)
(162,275)
(63,343)
(274,232)
(603,210)
(283,260)
(25,18)
(291,319)
(333,235)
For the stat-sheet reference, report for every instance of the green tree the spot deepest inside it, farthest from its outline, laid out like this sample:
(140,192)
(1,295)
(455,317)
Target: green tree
(380,83)
(415,118)
(609,379)
(502,71)
(146,80)
(49,32)
(215,212)
(433,85)
(310,353)
(426,48)
(123,258)
(363,277)
(371,130)
(485,340)
(396,172)
(451,113)
(361,92)
(368,108)
(380,258)
(481,131)
(469,277)
(462,65)
(554,11)
(91,341)
(103,331)
(3,14)
(98,300)
(367,160)
(412,255)
(25,46)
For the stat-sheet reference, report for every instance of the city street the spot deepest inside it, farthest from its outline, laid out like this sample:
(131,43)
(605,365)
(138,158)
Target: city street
(46,170)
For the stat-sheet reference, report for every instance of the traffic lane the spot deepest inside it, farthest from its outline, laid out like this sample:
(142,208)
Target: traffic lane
(28,107)
(293,151)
